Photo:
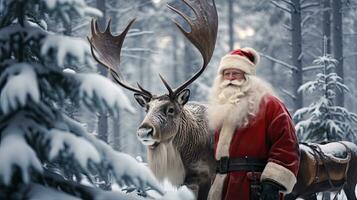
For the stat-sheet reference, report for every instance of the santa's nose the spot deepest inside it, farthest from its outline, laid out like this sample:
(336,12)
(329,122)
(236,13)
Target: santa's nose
(231,77)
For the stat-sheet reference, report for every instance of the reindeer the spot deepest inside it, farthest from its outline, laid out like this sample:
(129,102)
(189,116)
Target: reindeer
(174,130)
(328,167)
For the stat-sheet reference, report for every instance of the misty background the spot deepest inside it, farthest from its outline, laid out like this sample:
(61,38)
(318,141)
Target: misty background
(288,36)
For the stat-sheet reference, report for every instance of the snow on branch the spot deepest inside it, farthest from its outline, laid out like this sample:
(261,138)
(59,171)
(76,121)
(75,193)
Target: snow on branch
(67,46)
(299,114)
(291,67)
(309,86)
(78,147)
(20,86)
(15,152)
(98,91)
(125,168)
(65,9)
(29,31)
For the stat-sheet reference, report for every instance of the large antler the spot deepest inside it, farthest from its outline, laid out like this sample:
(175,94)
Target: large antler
(107,52)
(203,34)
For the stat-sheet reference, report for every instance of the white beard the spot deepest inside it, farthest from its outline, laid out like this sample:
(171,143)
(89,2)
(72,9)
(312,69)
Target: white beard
(236,104)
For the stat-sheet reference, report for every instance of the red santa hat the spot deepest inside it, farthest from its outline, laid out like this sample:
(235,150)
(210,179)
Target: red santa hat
(245,59)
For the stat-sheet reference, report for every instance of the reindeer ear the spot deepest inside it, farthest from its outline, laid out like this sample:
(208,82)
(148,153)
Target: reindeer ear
(141,99)
(183,96)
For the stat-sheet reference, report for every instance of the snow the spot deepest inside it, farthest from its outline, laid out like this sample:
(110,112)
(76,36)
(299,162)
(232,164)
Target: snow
(14,151)
(309,86)
(94,86)
(182,193)
(16,91)
(65,8)
(130,172)
(66,46)
(68,70)
(29,33)
(81,149)
(334,149)
(39,192)
(125,168)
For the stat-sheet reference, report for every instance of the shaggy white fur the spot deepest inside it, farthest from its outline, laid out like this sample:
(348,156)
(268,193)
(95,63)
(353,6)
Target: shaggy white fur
(239,106)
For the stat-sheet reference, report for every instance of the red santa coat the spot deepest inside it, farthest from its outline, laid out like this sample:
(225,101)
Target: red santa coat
(270,135)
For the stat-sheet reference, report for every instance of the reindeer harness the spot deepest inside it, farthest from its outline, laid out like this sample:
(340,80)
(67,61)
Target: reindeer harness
(326,162)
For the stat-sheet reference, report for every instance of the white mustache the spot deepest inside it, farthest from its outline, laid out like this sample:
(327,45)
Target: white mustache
(226,83)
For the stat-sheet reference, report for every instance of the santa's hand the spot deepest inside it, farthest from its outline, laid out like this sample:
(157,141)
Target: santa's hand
(270,190)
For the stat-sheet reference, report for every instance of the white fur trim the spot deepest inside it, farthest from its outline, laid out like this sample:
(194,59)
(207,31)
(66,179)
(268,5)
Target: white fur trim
(224,142)
(236,62)
(280,175)
(216,190)
(255,54)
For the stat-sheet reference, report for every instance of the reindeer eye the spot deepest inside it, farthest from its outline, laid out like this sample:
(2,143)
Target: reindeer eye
(170,111)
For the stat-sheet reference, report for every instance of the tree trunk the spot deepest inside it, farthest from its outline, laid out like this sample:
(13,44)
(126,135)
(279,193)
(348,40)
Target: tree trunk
(354,108)
(103,116)
(230,24)
(296,53)
(326,26)
(338,45)
(116,133)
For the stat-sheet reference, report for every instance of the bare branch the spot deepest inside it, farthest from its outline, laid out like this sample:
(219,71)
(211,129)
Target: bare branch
(288,93)
(305,20)
(309,5)
(140,33)
(287,27)
(80,26)
(309,68)
(281,7)
(350,55)
(349,7)
(288,2)
(291,67)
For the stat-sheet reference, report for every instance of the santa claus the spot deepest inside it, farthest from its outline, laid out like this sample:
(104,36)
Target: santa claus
(256,147)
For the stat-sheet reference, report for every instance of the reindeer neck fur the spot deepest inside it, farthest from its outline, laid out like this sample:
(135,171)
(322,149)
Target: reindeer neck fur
(193,129)
(165,161)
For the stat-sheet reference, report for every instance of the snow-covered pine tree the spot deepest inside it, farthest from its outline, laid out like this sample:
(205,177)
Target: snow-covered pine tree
(37,75)
(323,121)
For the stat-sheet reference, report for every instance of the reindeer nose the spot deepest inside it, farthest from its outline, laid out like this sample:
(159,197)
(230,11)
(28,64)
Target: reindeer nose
(145,132)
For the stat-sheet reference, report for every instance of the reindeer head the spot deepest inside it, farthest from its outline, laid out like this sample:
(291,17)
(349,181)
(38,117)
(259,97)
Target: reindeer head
(164,112)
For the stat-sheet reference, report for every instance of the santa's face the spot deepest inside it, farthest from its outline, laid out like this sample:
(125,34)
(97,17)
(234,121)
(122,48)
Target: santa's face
(231,74)
(229,86)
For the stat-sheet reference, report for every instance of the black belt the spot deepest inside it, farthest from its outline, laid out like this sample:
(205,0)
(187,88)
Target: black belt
(226,164)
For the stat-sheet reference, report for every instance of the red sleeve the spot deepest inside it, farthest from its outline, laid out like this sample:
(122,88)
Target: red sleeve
(284,154)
